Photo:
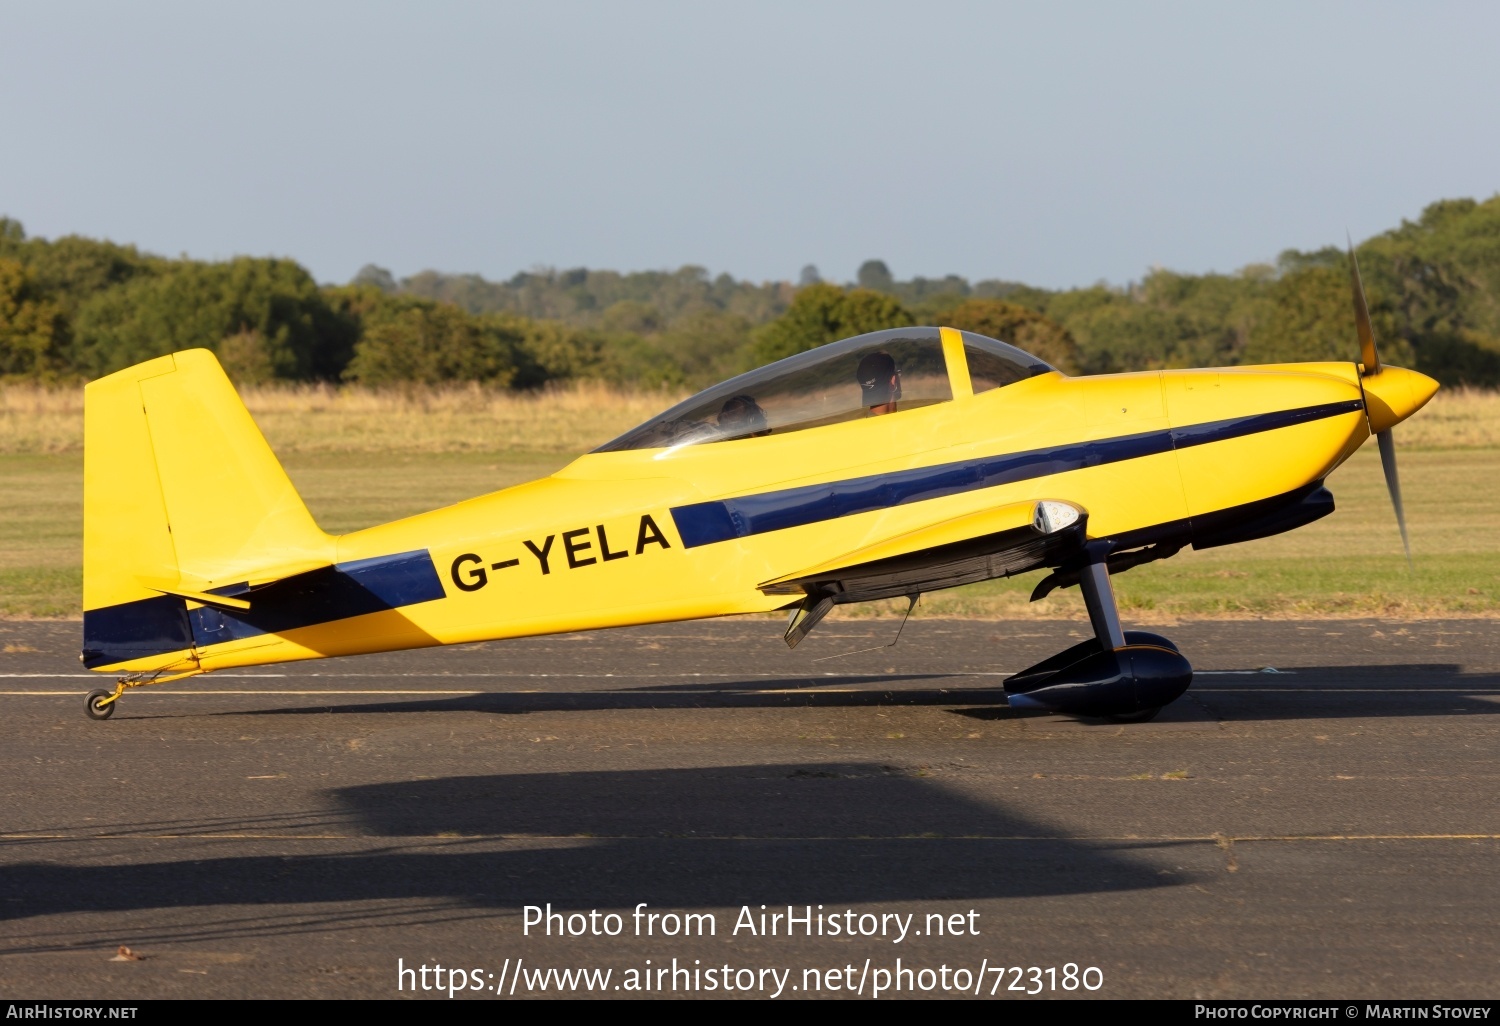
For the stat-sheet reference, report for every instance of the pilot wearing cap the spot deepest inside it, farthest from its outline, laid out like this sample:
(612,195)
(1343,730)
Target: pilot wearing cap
(879,382)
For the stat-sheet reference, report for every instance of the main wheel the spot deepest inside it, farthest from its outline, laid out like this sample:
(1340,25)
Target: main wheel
(99,710)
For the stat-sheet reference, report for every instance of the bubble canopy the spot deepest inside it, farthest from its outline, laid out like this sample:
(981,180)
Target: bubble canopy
(883,372)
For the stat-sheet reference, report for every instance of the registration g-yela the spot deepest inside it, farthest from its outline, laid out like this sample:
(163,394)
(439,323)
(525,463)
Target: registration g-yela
(880,466)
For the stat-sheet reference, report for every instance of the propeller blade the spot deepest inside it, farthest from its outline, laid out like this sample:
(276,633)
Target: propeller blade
(1393,485)
(1367,355)
(1371,361)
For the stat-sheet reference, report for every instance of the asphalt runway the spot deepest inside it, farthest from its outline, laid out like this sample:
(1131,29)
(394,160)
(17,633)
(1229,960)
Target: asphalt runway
(1318,817)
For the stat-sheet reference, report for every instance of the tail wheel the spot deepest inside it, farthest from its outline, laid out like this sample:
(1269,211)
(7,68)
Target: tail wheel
(100,705)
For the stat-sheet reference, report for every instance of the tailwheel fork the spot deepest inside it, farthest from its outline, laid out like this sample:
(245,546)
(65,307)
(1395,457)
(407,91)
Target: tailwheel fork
(100,704)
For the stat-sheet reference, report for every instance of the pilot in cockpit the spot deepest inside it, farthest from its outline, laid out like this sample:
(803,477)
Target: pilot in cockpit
(742,416)
(879,382)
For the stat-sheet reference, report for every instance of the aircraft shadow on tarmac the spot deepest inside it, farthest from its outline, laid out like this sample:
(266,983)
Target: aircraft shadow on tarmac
(1350,692)
(1311,692)
(837,834)
(829,692)
(1333,692)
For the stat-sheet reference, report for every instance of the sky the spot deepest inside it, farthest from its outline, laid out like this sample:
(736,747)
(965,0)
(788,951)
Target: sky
(1057,144)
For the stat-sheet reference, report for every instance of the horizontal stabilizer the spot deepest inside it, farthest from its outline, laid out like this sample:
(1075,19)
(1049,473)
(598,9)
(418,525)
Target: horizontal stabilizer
(244,578)
(201,597)
(248,580)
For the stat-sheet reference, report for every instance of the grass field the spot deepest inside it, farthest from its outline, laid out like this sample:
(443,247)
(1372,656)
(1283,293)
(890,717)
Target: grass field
(362,458)
(322,419)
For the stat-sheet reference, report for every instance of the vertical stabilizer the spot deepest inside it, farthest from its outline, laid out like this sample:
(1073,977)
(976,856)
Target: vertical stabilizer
(181,496)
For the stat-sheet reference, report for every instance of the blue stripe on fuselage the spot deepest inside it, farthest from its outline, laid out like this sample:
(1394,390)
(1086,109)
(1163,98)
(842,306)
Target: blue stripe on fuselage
(154,626)
(338,592)
(704,523)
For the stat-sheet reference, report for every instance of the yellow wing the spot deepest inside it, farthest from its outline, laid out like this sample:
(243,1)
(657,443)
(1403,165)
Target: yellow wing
(1011,539)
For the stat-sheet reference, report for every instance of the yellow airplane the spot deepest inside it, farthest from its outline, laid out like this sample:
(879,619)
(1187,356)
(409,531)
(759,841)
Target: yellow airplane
(880,466)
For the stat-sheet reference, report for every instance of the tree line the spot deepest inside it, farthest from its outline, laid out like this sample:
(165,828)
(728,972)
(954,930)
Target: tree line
(76,308)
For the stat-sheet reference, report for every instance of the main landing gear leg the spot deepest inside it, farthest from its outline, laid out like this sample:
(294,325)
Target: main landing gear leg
(1104,614)
(1118,675)
(1099,597)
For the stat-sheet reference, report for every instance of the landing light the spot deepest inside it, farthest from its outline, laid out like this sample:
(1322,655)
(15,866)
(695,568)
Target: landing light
(1051,517)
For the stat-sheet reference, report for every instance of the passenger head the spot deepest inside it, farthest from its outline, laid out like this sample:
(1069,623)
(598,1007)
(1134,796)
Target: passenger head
(741,416)
(879,382)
